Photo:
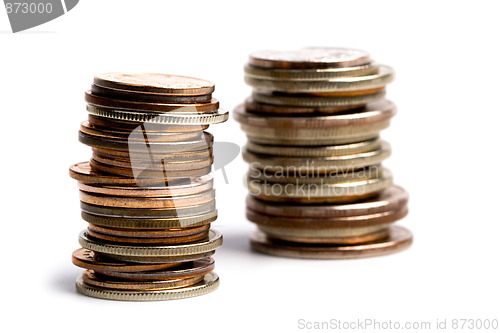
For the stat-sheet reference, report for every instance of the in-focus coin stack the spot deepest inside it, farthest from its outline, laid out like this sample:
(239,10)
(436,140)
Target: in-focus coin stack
(147,192)
(316,185)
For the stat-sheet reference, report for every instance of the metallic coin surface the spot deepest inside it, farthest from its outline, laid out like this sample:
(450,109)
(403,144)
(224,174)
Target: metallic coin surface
(209,284)
(310,74)
(146,223)
(91,279)
(391,199)
(372,113)
(309,57)
(91,232)
(184,115)
(399,238)
(136,96)
(155,83)
(88,259)
(253,106)
(384,76)
(213,242)
(151,233)
(316,101)
(129,125)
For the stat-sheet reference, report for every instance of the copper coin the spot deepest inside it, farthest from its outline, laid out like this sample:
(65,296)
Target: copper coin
(92,233)
(255,107)
(143,161)
(139,134)
(391,199)
(90,278)
(131,125)
(371,113)
(199,185)
(85,174)
(204,142)
(143,177)
(196,108)
(310,57)
(134,223)
(399,238)
(190,269)
(327,223)
(154,202)
(136,96)
(168,213)
(161,259)
(88,259)
(165,84)
(155,233)
(152,155)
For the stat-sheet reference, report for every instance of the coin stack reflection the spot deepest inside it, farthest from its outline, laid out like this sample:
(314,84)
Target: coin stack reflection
(316,185)
(147,192)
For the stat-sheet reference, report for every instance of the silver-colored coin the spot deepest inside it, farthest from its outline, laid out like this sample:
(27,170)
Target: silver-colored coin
(378,80)
(351,162)
(309,74)
(316,101)
(209,284)
(180,118)
(213,242)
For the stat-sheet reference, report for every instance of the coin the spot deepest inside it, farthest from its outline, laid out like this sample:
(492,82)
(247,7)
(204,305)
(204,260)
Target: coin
(317,165)
(310,74)
(399,238)
(316,101)
(146,241)
(186,114)
(151,233)
(209,284)
(136,96)
(213,242)
(150,223)
(384,76)
(371,113)
(128,125)
(315,151)
(155,83)
(309,57)
(90,279)
(391,199)
(85,258)
(270,109)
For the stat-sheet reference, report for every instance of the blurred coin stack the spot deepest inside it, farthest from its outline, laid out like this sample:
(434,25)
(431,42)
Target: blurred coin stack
(316,185)
(147,192)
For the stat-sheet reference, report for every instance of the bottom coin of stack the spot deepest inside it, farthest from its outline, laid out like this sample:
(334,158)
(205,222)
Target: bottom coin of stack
(146,193)
(317,188)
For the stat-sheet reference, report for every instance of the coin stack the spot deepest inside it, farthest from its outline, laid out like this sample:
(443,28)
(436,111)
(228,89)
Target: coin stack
(147,192)
(316,185)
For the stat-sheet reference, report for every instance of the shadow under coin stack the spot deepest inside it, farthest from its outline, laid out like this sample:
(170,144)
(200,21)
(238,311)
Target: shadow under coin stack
(147,192)
(316,185)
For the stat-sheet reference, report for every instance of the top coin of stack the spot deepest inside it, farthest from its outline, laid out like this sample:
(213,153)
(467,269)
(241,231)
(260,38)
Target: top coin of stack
(146,192)
(313,124)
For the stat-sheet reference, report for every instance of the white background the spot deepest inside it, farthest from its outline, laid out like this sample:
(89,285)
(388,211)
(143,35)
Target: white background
(444,138)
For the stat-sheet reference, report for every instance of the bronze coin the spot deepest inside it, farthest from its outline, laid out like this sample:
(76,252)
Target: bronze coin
(371,113)
(391,199)
(316,223)
(155,83)
(399,238)
(256,107)
(155,213)
(197,185)
(160,259)
(136,96)
(310,57)
(85,174)
(139,134)
(126,125)
(92,233)
(151,233)
(90,278)
(205,142)
(143,177)
(148,223)
(190,269)
(90,260)
(195,108)
(153,202)
(143,161)
(152,155)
